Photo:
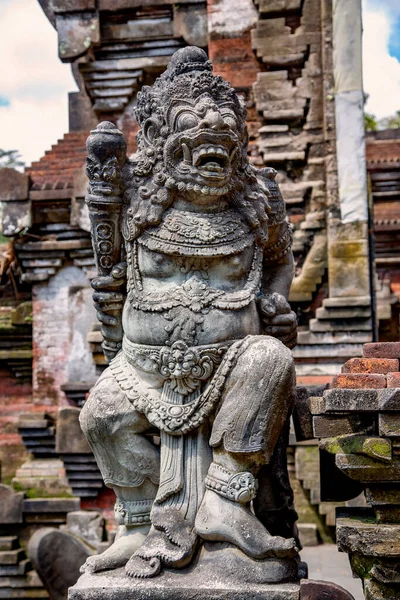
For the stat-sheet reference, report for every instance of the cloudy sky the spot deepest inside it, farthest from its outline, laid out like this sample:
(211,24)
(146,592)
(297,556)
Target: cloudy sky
(34,83)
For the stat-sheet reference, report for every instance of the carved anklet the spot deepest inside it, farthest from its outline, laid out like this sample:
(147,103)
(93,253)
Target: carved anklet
(238,487)
(133,512)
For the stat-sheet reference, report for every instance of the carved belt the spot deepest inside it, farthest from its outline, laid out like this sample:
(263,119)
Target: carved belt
(185,370)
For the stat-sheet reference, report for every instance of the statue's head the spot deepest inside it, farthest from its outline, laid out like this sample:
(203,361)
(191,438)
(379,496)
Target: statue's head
(192,141)
(193,124)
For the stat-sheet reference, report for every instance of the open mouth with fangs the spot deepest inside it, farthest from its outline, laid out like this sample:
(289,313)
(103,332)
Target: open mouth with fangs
(206,156)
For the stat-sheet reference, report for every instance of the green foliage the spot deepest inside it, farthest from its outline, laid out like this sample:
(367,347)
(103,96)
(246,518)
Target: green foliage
(392,122)
(374,124)
(371,122)
(10,158)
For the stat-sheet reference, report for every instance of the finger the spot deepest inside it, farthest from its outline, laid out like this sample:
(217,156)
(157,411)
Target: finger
(106,319)
(119,270)
(106,283)
(281,304)
(279,332)
(107,297)
(285,320)
(108,308)
(267,307)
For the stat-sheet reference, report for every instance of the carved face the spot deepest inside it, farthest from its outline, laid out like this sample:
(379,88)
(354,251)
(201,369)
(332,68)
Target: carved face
(203,146)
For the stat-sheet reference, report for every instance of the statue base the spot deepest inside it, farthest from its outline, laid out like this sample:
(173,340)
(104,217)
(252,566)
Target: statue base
(220,572)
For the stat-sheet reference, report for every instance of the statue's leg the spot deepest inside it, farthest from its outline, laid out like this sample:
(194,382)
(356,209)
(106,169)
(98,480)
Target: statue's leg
(129,464)
(254,409)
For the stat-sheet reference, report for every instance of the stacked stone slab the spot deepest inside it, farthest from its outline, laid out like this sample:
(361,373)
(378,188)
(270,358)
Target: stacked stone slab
(358,421)
(17,580)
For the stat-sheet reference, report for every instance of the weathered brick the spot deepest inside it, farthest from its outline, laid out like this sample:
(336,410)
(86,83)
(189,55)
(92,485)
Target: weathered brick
(389,424)
(331,426)
(359,381)
(382,350)
(393,380)
(351,400)
(389,399)
(371,365)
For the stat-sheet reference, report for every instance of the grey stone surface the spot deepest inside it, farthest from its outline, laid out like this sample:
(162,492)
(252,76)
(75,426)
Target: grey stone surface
(69,436)
(57,557)
(309,535)
(88,525)
(362,400)
(10,505)
(175,585)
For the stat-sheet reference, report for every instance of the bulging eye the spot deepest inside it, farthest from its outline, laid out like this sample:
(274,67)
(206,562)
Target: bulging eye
(231,121)
(186,120)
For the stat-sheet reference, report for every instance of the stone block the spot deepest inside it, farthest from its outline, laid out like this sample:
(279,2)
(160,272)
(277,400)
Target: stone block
(88,525)
(389,424)
(393,380)
(13,185)
(382,494)
(309,535)
(69,437)
(372,365)
(317,405)
(379,591)
(375,447)
(365,469)
(345,302)
(318,590)
(351,400)
(11,557)
(8,542)
(189,583)
(388,514)
(15,570)
(359,312)
(389,399)
(10,505)
(51,505)
(359,381)
(362,535)
(331,426)
(302,419)
(382,350)
(57,557)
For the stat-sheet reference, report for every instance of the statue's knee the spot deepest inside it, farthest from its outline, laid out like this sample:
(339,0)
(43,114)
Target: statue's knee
(108,411)
(267,350)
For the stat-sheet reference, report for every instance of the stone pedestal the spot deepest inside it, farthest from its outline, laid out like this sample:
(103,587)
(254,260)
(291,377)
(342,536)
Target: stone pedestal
(115,585)
(220,572)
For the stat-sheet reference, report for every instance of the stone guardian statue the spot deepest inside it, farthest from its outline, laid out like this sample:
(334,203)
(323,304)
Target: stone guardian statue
(195,264)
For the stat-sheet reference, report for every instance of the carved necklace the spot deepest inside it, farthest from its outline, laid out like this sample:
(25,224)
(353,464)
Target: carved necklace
(185,233)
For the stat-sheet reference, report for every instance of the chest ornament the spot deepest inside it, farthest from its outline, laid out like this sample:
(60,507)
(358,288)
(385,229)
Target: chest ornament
(184,233)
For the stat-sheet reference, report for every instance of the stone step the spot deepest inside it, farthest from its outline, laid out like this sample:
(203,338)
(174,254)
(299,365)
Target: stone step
(356,312)
(331,351)
(8,542)
(318,326)
(351,337)
(346,301)
(11,557)
(15,570)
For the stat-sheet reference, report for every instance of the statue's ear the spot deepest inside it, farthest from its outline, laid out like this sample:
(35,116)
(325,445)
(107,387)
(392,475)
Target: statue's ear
(151,130)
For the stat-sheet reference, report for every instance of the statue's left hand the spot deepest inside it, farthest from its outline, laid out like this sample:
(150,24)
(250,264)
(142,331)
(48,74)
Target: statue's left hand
(109,295)
(278,319)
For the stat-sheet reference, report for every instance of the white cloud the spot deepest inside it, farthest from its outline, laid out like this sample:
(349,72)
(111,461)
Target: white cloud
(381,71)
(33,79)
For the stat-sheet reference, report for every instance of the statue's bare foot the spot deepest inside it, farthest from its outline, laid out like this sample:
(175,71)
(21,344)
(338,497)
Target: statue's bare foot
(221,520)
(128,540)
